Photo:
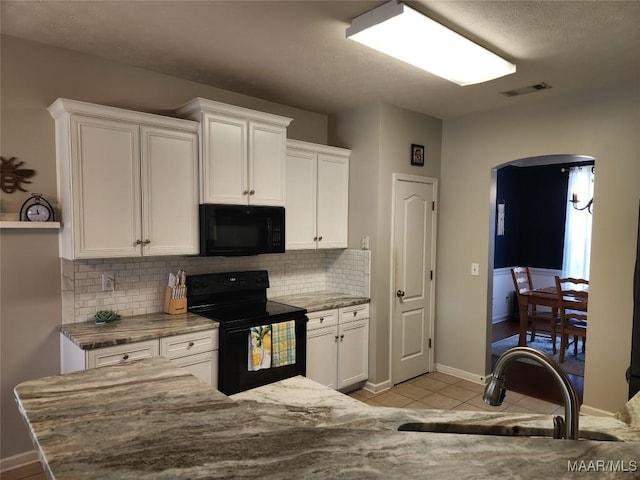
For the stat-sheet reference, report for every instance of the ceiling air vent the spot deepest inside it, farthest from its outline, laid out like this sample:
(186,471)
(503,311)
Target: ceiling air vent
(526,90)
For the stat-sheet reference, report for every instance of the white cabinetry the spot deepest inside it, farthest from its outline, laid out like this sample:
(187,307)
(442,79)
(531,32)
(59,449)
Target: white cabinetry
(322,347)
(338,346)
(242,153)
(101,357)
(127,182)
(196,352)
(317,196)
(353,349)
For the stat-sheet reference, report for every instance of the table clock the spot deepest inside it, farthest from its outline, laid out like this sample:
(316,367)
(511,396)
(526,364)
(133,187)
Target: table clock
(36,208)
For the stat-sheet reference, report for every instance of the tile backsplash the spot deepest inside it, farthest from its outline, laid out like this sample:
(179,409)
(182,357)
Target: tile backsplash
(140,282)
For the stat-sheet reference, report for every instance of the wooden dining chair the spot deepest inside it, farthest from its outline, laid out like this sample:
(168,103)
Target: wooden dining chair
(573,301)
(540,321)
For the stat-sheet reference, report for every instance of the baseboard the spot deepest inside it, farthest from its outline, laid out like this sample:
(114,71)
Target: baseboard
(587,410)
(377,387)
(500,319)
(9,463)
(454,372)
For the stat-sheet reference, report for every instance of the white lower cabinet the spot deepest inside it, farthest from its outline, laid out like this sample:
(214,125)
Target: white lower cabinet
(353,352)
(197,352)
(101,357)
(322,347)
(338,346)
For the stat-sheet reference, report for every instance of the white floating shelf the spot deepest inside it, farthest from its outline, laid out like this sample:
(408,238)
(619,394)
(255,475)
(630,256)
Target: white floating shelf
(29,225)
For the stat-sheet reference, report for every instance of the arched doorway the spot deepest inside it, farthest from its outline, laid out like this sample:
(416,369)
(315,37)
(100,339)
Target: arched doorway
(529,228)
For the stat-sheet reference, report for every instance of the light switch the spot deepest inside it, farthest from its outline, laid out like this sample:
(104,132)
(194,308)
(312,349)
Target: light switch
(365,242)
(475,269)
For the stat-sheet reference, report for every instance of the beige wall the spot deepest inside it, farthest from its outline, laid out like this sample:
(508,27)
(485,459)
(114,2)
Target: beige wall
(380,137)
(602,124)
(33,76)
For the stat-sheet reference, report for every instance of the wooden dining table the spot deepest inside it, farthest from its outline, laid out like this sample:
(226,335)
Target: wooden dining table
(548,297)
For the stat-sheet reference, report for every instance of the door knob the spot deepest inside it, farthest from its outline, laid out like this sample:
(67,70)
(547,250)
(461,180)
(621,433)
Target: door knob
(400,293)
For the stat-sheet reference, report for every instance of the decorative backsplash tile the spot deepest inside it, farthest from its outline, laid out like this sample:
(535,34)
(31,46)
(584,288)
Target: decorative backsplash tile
(140,282)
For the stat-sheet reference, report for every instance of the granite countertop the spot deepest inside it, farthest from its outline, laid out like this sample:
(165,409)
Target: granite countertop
(88,335)
(325,300)
(150,420)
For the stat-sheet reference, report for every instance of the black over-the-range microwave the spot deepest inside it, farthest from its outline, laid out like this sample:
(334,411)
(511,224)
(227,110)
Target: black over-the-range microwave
(230,230)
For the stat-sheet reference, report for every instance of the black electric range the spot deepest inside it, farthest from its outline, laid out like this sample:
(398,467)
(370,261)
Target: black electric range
(238,301)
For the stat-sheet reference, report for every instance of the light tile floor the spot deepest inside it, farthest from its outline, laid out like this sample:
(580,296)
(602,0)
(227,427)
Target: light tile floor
(445,392)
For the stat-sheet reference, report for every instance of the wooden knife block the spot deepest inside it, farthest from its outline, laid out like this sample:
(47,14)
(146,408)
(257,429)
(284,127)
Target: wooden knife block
(174,306)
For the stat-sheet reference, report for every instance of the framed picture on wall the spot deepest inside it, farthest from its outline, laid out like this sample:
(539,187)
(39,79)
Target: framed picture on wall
(417,155)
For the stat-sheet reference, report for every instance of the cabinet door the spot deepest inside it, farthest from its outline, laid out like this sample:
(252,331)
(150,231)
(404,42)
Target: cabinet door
(105,188)
(204,366)
(322,356)
(101,357)
(353,352)
(169,192)
(333,201)
(224,160)
(267,152)
(300,202)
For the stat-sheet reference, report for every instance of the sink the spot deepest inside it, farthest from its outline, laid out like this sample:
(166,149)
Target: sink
(501,430)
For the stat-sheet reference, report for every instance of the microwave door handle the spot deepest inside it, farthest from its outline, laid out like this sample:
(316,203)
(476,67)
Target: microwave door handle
(268,242)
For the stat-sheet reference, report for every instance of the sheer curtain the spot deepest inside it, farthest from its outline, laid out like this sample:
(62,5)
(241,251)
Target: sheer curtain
(577,234)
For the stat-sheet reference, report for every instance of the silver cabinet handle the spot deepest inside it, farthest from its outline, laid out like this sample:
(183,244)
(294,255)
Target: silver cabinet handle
(191,344)
(342,337)
(315,239)
(252,192)
(146,242)
(138,242)
(125,356)
(246,192)
(400,294)
(355,312)
(320,239)
(321,319)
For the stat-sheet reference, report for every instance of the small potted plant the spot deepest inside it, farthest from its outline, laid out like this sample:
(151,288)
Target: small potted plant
(106,316)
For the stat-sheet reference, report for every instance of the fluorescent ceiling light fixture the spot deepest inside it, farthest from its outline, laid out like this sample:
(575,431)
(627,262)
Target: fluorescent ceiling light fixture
(402,32)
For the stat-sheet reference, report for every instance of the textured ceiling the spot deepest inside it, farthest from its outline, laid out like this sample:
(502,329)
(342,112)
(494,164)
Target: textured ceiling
(295,52)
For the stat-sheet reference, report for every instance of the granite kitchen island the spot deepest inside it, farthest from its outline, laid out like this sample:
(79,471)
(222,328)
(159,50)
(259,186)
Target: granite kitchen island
(150,420)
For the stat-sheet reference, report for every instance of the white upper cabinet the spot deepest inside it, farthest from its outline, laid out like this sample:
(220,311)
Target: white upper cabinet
(169,191)
(243,152)
(317,196)
(127,182)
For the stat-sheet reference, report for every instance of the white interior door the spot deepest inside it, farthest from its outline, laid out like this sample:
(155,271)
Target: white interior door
(414,253)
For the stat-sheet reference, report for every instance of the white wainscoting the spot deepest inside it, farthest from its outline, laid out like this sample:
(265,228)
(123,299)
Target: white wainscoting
(502,294)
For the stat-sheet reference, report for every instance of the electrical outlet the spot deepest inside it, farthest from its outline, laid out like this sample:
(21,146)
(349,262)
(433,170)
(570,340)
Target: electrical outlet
(365,242)
(475,269)
(108,282)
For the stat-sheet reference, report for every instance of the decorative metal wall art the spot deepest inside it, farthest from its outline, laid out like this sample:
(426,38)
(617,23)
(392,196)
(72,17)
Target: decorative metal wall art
(13,176)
